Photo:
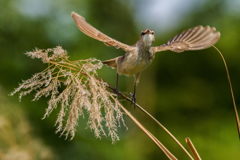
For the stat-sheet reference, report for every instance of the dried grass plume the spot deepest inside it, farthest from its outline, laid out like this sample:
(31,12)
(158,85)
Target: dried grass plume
(81,89)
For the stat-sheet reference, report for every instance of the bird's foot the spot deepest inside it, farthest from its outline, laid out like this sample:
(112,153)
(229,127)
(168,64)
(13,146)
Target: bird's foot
(133,98)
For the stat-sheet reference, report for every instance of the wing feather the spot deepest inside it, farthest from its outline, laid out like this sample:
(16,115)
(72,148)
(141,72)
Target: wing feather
(96,34)
(196,38)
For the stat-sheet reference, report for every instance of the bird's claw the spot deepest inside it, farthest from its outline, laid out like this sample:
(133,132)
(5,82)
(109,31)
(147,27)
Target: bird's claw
(116,92)
(133,98)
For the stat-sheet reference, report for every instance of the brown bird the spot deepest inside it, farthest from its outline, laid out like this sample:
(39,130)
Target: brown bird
(140,55)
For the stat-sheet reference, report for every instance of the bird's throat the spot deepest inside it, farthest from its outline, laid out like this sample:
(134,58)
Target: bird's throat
(148,40)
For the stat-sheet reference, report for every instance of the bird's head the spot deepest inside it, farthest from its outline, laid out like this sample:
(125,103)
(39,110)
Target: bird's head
(147,36)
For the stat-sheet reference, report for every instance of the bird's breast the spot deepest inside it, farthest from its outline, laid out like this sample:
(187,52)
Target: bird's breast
(134,62)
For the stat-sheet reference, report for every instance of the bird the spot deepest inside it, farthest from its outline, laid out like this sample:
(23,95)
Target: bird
(140,55)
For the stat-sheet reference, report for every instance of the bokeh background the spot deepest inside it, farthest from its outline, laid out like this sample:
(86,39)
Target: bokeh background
(186,92)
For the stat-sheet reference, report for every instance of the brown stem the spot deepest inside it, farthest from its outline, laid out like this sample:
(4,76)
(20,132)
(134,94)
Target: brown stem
(192,149)
(154,139)
(231,90)
(165,129)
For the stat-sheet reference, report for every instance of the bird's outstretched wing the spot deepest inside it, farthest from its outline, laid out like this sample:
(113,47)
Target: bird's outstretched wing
(96,34)
(196,38)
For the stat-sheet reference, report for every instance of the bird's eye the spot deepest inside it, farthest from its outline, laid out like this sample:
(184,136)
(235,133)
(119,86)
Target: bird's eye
(143,33)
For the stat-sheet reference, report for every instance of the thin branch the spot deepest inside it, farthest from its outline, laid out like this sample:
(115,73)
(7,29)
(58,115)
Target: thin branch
(231,90)
(154,139)
(192,149)
(165,129)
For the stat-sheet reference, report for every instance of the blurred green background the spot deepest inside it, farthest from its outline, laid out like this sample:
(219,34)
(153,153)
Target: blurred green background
(186,92)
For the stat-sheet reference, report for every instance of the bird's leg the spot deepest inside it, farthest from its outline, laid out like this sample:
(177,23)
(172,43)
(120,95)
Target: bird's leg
(116,89)
(133,97)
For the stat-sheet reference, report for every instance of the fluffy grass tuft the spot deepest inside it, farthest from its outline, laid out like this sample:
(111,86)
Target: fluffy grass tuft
(81,89)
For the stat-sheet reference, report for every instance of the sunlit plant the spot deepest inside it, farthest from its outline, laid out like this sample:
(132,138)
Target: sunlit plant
(81,89)
(76,88)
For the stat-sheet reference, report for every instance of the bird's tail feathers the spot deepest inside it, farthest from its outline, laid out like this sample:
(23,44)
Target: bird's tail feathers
(111,62)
